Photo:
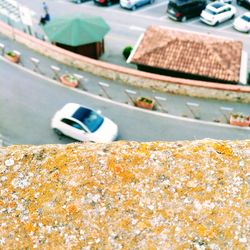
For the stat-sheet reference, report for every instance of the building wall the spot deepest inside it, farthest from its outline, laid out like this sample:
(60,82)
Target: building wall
(92,50)
(180,74)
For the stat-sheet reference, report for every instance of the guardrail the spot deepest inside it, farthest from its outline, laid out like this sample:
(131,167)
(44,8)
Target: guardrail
(130,76)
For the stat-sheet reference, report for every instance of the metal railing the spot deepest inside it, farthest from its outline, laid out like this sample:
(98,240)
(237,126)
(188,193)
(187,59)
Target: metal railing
(191,110)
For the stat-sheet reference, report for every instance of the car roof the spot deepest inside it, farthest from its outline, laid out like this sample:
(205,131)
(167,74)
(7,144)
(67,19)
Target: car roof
(217,6)
(81,113)
(69,109)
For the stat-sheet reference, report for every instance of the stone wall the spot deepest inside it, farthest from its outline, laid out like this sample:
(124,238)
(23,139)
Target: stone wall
(130,76)
(126,195)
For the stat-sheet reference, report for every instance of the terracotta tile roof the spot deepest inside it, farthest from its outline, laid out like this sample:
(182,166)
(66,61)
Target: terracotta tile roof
(190,53)
(125,195)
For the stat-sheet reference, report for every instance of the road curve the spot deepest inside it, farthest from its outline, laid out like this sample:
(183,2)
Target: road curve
(28,101)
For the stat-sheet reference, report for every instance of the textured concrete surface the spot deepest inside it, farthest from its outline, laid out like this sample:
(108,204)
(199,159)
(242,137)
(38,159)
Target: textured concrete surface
(126,195)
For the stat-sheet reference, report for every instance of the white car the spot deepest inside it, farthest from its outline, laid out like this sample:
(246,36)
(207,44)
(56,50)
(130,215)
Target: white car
(83,124)
(242,23)
(134,4)
(217,12)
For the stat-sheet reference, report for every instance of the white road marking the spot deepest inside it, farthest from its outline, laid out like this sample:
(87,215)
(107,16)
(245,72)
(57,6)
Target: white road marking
(136,28)
(191,24)
(195,20)
(225,26)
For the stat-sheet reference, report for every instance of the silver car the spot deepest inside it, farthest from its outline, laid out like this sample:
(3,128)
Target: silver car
(134,4)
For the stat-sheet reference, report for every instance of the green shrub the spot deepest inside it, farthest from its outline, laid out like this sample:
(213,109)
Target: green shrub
(126,51)
(11,53)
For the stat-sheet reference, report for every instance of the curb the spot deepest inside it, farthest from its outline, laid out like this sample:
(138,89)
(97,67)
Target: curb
(122,104)
(131,77)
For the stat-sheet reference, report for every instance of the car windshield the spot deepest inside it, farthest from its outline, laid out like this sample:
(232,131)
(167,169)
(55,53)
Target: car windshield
(89,118)
(246,18)
(210,11)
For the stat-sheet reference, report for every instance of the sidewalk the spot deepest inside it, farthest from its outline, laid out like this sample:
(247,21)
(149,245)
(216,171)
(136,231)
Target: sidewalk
(203,109)
(208,110)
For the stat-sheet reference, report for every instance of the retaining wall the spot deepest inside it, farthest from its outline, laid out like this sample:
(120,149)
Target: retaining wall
(126,195)
(130,76)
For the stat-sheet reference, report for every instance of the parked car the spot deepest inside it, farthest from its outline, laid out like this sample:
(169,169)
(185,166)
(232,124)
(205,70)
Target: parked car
(83,124)
(217,12)
(245,3)
(242,23)
(106,2)
(134,4)
(181,10)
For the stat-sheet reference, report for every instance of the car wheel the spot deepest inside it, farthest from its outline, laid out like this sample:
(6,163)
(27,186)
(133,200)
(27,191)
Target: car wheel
(57,131)
(133,8)
(216,23)
(232,17)
(184,19)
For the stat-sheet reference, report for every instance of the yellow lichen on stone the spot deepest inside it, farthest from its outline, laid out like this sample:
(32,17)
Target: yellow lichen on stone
(126,195)
(222,148)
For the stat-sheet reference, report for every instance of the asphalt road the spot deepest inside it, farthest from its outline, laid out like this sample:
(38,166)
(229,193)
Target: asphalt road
(127,26)
(27,103)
